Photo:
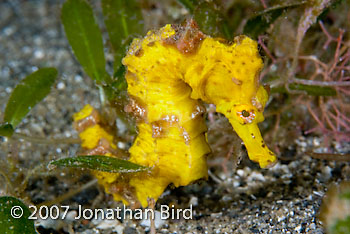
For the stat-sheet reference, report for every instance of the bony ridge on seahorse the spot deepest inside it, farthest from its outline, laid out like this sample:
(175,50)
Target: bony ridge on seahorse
(168,72)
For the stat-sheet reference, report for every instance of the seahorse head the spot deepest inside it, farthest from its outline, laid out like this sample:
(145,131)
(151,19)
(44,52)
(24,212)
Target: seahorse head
(225,74)
(233,86)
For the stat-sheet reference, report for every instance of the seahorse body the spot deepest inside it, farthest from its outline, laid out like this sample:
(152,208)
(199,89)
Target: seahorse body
(168,72)
(167,82)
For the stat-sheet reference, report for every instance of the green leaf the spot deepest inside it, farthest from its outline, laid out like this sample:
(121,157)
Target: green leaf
(28,93)
(258,24)
(123,20)
(314,90)
(211,21)
(6,130)
(100,163)
(10,208)
(85,38)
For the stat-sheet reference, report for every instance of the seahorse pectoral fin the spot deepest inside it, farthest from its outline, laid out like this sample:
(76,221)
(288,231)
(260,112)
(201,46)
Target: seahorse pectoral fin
(256,147)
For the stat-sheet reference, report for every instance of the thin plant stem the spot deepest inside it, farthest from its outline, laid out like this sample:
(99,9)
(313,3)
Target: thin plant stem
(48,141)
(330,156)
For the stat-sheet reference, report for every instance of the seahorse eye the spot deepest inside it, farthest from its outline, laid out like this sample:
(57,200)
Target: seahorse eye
(245,113)
(247,116)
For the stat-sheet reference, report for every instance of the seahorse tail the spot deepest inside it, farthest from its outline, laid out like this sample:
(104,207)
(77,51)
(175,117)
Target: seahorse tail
(96,140)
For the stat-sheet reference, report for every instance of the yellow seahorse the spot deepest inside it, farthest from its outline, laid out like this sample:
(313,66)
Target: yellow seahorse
(168,73)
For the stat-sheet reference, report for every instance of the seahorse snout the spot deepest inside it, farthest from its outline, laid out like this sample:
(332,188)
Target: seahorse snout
(253,141)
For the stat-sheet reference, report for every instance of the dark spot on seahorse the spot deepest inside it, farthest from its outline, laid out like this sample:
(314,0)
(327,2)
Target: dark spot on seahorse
(263,145)
(139,52)
(236,81)
(186,38)
(243,63)
(233,62)
(217,60)
(151,43)
(228,111)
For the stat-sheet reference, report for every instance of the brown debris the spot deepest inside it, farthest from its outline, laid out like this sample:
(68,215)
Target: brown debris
(160,128)
(136,107)
(139,52)
(187,38)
